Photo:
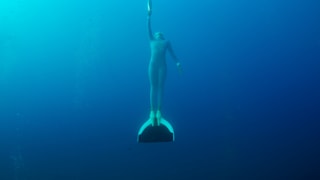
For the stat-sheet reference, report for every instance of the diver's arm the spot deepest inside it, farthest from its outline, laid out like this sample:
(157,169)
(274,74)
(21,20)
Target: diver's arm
(172,52)
(149,28)
(149,7)
(173,55)
(149,20)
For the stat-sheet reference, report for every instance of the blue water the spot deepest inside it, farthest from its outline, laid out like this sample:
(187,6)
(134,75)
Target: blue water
(74,90)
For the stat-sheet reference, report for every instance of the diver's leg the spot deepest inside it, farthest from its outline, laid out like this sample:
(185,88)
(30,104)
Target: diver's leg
(161,81)
(153,78)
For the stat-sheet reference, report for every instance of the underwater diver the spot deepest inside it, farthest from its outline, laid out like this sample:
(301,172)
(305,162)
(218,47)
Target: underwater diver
(156,128)
(157,68)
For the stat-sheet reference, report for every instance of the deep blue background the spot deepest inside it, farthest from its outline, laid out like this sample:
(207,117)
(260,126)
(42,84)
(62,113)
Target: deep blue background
(74,90)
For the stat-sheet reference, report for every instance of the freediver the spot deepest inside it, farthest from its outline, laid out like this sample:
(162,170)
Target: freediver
(157,68)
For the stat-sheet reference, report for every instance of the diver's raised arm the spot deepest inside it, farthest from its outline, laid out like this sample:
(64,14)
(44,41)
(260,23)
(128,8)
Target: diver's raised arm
(149,7)
(149,20)
(149,28)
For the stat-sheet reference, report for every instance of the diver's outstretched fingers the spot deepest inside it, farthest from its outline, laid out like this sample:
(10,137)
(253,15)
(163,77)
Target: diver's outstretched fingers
(149,7)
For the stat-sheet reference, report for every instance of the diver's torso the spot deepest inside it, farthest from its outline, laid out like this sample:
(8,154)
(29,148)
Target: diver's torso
(158,51)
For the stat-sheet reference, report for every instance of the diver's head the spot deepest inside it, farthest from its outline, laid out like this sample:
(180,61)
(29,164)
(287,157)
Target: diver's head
(159,36)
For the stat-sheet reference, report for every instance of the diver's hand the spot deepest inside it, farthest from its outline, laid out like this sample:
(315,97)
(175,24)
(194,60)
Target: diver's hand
(178,64)
(149,7)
